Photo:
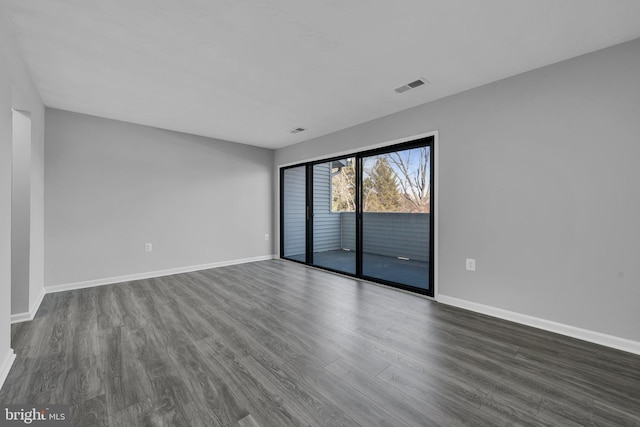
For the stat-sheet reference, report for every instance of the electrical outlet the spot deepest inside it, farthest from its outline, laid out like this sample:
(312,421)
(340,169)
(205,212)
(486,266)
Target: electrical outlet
(471,264)
(148,247)
(266,237)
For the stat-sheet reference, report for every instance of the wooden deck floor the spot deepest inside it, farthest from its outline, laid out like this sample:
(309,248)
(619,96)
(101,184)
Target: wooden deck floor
(275,343)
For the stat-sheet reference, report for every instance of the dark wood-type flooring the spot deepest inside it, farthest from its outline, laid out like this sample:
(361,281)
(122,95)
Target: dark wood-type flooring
(278,344)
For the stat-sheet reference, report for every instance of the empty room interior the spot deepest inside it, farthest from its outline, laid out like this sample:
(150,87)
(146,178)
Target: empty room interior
(328,213)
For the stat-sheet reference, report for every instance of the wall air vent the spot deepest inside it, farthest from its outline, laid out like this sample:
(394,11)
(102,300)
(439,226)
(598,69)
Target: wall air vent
(297,130)
(412,85)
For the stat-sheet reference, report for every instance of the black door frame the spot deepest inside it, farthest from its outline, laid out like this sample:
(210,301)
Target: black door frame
(427,141)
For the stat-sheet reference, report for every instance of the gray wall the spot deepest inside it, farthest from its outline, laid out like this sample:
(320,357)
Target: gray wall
(20,211)
(111,187)
(17,92)
(538,181)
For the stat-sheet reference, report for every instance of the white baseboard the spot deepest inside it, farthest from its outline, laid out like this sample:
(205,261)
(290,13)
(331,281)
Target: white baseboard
(547,325)
(5,367)
(151,274)
(21,317)
(25,317)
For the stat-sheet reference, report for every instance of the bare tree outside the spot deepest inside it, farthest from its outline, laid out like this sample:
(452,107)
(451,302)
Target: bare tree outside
(414,178)
(399,181)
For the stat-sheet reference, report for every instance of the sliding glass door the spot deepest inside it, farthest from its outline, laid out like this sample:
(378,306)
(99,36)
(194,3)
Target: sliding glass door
(396,219)
(367,215)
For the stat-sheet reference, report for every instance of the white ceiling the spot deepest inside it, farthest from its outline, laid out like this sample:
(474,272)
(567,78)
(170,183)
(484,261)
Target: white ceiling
(250,70)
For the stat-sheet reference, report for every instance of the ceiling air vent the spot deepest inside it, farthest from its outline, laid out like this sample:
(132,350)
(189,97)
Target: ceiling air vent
(297,130)
(411,85)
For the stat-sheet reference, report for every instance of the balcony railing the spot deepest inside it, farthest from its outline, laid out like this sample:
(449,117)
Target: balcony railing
(390,234)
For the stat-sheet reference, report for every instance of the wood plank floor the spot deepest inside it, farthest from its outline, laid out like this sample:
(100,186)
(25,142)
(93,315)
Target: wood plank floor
(274,343)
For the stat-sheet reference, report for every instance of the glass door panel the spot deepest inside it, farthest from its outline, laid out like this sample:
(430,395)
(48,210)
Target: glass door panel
(396,215)
(334,215)
(294,216)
